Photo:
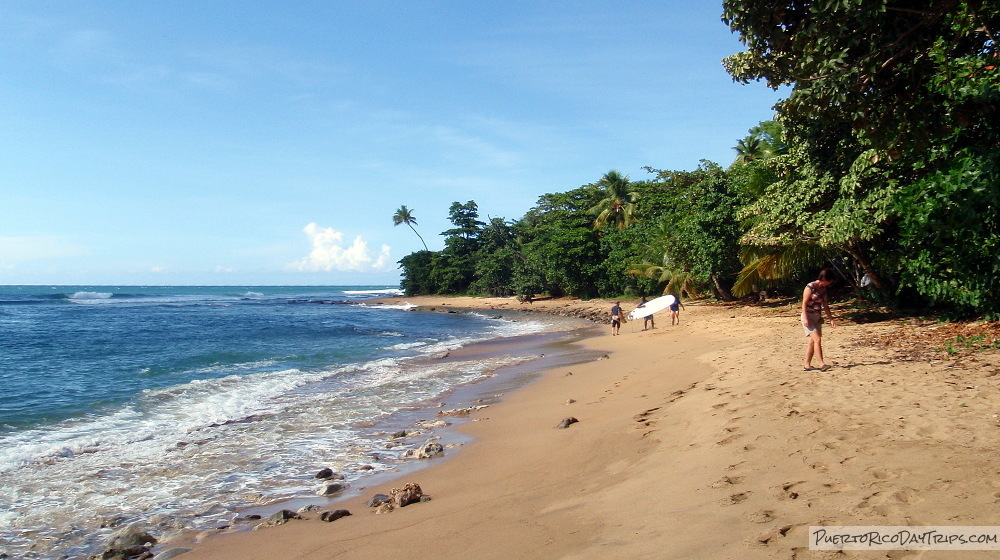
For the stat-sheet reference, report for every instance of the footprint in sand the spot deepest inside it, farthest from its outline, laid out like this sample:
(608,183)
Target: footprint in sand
(737,498)
(726,481)
(730,439)
(788,492)
(643,418)
(771,536)
(762,516)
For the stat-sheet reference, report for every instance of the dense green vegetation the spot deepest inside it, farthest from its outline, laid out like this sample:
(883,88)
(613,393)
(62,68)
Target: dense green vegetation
(883,162)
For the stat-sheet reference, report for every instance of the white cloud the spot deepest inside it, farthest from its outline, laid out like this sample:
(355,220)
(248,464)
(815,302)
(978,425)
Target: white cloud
(330,253)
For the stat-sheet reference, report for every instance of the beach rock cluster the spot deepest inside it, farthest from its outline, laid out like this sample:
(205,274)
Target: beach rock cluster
(129,543)
(410,493)
(428,450)
(460,412)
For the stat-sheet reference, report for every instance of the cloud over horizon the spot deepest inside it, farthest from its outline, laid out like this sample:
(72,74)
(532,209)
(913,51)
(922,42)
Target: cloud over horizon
(329,253)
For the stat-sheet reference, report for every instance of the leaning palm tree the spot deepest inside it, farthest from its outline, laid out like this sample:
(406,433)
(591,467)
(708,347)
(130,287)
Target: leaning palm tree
(768,265)
(618,204)
(405,216)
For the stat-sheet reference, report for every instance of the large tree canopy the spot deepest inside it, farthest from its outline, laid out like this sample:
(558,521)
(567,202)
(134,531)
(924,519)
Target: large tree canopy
(875,64)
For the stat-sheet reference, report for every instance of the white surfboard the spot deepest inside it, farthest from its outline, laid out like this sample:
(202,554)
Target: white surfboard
(652,306)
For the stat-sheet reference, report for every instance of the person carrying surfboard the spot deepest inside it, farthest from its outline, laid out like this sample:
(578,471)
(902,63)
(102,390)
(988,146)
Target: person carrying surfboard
(616,318)
(648,319)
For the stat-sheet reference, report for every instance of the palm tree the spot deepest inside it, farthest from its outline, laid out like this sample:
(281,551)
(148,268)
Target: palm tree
(405,216)
(658,265)
(768,265)
(749,149)
(618,204)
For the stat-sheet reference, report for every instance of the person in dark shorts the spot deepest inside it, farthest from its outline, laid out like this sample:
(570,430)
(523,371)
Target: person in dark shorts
(675,310)
(647,321)
(616,318)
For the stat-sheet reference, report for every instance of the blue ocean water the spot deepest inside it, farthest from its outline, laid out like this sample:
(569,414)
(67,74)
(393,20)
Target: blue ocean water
(176,406)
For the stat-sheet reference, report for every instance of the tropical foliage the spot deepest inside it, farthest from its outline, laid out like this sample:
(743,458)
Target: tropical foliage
(883,162)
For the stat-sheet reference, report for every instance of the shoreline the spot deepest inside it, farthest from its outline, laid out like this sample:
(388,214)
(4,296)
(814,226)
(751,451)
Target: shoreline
(439,419)
(704,440)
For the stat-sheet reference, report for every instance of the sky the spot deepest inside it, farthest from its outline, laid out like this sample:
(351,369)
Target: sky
(270,143)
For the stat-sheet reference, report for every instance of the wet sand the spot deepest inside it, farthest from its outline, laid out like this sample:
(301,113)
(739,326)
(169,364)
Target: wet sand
(701,440)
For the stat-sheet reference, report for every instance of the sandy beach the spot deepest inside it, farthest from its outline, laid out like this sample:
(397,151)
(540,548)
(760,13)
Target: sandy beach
(701,440)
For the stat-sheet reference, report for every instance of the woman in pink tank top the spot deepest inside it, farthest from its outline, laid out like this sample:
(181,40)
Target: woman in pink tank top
(815,301)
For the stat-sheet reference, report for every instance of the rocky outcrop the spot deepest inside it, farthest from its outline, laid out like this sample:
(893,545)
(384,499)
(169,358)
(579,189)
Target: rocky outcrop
(566,422)
(279,518)
(331,516)
(460,412)
(331,487)
(401,497)
(325,473)
(378,499)
(130,542)
(428,450)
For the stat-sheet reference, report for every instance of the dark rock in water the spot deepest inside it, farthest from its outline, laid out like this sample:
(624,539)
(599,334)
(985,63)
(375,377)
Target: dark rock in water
(565,423)
(325,473)
(408,494)
(114,521)
(398,435)
(331,487)
(130,536)
(137,552)
(170,553)
(279,517)
(330,516)
(378,499)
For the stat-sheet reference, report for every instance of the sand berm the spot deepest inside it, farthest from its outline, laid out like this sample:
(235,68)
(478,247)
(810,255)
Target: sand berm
(701,440)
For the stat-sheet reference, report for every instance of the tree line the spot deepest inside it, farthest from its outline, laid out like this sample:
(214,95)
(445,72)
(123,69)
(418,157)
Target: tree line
(883,163)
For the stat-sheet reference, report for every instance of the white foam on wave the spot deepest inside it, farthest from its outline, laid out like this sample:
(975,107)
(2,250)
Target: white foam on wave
(385,292)
(89,296)
(505,328)
(398,306)
(407,345)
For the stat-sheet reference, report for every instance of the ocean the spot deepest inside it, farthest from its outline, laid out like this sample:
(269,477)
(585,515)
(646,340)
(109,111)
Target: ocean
(181,407)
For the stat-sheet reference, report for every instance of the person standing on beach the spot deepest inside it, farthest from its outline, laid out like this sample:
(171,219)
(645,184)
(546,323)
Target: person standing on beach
(675,310)
(616,318)
(816,300)
(648,319)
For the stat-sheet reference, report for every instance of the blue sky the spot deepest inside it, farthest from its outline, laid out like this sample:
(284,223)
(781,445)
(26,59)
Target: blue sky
(271,142)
